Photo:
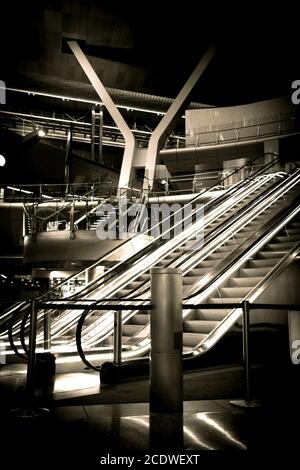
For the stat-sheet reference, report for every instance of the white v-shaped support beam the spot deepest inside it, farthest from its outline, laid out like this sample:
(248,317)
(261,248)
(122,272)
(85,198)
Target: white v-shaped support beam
(130,142)
(161,132)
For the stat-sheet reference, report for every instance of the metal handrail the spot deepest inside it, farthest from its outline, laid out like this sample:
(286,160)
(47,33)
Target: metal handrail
(104,277)
(65,306)
(280,265)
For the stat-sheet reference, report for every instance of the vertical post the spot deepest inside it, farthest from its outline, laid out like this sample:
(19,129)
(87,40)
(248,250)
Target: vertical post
(246,349)
(72,227)
(118,337)
(31,353)
(93,133)
(34,223)
(31,411)
(47,329)
(166,340)
(100,135)
(248,402)
(68,155)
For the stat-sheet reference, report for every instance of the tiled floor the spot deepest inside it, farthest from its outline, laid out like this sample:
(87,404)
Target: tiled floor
(87,422)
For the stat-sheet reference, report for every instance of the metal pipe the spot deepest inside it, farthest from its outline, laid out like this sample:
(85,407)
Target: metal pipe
(248,402)
(118,337)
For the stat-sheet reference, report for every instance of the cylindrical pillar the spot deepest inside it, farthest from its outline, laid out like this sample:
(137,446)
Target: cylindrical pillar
(166,340)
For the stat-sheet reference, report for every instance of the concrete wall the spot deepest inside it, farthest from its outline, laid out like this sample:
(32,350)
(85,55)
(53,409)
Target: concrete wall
(211,119)
(57,246)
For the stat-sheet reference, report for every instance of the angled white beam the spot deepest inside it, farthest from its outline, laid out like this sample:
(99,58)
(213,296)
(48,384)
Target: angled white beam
(130,141)
(160,133)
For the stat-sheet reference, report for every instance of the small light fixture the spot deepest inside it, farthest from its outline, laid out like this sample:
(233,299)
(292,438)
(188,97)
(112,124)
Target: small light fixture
(41,133)
(2,160)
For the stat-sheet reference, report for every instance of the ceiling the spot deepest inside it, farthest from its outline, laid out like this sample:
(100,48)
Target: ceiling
(145,47)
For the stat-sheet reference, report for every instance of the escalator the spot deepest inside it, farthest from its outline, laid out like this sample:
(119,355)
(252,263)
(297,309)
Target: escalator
(229,223)
(210,272)
(134,280)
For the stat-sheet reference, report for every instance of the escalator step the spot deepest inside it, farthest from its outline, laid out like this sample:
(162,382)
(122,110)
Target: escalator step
(254,272)
(245,281)
(200,326)
(230,292)
(211,314)
(192,339)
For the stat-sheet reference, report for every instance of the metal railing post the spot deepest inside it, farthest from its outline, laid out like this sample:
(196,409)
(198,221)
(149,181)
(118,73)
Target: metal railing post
(31,411)
(248,402)
(47,329)
(118,337)
(31,352)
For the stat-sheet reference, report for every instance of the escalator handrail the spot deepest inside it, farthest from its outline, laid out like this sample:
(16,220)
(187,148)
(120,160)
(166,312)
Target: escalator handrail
(114,271)
(241,251)
(226,225)
(263,284)
(104,276)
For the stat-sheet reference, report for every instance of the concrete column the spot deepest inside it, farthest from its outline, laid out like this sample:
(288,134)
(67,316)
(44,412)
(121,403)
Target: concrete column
(166,340)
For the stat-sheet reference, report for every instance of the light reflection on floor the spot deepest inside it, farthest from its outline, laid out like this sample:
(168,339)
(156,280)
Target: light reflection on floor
(76,381)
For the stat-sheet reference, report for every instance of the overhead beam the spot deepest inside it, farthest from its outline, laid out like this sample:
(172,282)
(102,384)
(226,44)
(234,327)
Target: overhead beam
(130,142)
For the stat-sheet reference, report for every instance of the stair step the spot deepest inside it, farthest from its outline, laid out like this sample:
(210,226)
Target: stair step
(227,300)
(215,256)
(287,239)
(280,246)
(192,339)
(293,231)
(271,254)
(129,329)
(140,319)
(245,281)
(197,272)
(254,272)
(234,292)
(190,280)
(123,292)
(135,284)
(109,341)
(212,314)
(262,263)
(199,326)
